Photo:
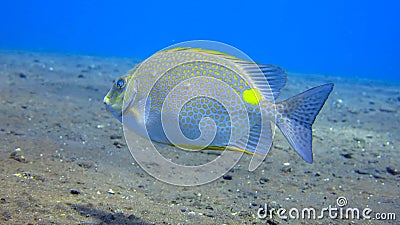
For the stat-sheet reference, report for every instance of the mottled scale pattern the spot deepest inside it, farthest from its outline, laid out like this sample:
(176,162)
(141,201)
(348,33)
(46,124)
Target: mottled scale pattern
(154,68)
(199,107)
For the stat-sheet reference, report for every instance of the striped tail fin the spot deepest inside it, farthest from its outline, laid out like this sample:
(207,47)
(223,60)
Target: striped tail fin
(301,111)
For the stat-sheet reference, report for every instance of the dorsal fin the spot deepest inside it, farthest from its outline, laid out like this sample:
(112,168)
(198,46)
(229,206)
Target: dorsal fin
(269,79)
(260,73)
(202,50)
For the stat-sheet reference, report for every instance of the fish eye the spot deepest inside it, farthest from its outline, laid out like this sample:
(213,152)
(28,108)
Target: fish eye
(120,83)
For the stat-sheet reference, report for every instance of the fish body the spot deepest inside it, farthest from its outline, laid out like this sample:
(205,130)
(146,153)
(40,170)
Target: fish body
(203,99)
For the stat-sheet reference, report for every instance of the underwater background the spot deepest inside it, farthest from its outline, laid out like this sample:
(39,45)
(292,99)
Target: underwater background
(64,158)
(347,38)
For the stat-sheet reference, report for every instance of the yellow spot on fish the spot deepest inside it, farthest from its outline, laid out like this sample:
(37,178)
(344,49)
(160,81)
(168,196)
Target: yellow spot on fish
(252,96)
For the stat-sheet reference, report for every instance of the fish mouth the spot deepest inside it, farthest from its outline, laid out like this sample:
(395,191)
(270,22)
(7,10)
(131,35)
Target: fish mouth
(106,101)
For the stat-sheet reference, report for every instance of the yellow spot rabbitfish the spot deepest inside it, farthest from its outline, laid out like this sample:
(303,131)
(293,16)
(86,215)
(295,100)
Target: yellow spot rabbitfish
(210,93)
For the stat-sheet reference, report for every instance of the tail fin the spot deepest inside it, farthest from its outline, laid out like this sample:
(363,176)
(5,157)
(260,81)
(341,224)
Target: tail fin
(301,111)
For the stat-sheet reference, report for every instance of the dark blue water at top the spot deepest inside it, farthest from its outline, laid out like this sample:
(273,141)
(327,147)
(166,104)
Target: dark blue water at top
(346,38)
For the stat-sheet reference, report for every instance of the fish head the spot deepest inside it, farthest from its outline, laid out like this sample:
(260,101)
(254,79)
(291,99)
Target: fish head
(121,96)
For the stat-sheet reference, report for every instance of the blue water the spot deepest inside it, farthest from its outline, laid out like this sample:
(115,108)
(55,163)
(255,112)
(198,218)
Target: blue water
(346,38)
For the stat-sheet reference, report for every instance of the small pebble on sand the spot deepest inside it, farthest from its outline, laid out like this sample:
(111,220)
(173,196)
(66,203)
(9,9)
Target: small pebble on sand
(22,75)
(75,192)
(227,177)
(348,155)
(393,171)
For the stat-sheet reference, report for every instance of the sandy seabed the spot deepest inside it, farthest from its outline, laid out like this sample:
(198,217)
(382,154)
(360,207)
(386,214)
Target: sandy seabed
(64,160)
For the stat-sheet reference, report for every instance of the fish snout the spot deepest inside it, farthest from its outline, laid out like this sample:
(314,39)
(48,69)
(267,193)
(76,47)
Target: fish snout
(106,100)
